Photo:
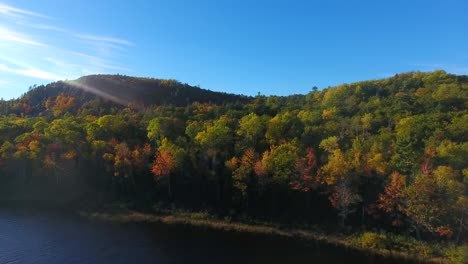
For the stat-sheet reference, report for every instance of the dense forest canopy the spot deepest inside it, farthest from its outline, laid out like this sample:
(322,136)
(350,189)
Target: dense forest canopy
(390,153)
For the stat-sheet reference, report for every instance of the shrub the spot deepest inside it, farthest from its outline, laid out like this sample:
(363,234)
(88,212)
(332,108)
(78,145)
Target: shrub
(458,255)
(383,241)
(200,215)
(372,240)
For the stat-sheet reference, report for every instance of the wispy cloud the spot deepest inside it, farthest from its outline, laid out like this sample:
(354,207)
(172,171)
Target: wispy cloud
(32,46)
(113,67)
(60,63)
(9,10)
(41,26)
(103,39)
(98,62)
(35,73)
(40,74)
(11,36)
(16,62)
(104,45)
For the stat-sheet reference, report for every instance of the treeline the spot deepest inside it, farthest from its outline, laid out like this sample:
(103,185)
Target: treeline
(90,92)
(389,153)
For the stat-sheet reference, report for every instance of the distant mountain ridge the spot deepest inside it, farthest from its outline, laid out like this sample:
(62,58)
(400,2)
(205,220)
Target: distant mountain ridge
(110,91)
(125,90)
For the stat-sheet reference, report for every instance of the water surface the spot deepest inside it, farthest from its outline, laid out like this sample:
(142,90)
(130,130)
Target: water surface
(32,236)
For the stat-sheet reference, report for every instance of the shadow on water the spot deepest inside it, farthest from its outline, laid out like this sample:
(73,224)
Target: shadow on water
(39,236)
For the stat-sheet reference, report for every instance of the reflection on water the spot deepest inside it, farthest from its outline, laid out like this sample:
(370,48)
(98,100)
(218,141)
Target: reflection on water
(36,237)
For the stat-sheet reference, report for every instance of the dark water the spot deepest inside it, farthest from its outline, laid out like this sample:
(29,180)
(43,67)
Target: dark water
(49,237)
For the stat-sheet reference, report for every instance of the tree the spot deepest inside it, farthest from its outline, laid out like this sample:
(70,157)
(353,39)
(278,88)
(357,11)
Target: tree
(164,127)
(307,178)
(283,128)
(431,201)
(329,144)
(280,163)
(216,136)
(337,169)
(243,174)
(111,126)
(62,104)
(392,200)
(65,131)
(251,128)
(163,164)
(342,200)
(168,159)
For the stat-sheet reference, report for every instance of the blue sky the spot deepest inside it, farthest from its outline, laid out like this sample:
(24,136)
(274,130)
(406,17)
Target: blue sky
(272,47)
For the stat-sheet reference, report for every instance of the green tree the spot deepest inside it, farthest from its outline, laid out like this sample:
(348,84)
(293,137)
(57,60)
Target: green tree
(251,128)
(283,128)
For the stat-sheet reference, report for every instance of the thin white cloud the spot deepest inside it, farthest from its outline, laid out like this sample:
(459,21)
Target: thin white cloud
(103,39)
(40,74)
(55,61)
(83,55)
(35,73)
(17,62)
(32,46)
(98,62)
(16,37)
(17,12)
(61,63)
(42,26)
(113,67)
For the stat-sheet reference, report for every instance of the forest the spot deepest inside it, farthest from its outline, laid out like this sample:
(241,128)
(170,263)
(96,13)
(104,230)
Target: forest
(387,154)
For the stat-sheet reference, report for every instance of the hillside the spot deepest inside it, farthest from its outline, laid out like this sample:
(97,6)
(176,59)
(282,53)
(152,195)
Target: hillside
(124,90)
(384,154)
(146,91)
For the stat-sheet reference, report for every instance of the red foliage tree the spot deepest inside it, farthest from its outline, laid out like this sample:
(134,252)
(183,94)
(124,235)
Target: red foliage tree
(392,199)
(306,169)
(162,164)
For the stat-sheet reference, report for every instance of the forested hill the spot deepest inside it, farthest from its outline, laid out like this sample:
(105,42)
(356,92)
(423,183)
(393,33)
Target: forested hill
(125,91)
(388,153)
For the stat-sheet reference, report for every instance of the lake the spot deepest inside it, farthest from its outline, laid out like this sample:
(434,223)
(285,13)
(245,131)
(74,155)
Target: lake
(34,236)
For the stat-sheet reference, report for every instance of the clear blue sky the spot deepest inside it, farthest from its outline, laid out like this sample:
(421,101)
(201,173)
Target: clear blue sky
(237,46)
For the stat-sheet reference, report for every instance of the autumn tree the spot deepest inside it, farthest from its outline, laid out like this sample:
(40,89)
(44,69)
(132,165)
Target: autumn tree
(169,159)
(306,178)
(164,127)
(251,128)
(392,200)
(283,128)
(62,104)
(342,199)
(431,201)
(244,176)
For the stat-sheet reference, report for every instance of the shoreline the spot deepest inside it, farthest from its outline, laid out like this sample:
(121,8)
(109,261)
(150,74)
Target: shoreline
(117,212)
(197,221)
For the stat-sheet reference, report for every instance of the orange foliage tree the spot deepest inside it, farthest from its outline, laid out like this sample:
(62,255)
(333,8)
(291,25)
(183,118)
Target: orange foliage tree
(306,171)
(391,201)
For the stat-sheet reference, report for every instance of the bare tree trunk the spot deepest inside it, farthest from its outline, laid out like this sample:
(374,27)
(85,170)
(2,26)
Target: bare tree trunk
(169,187)
(363,210)
(342,220)
(418,232)
(460,228)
